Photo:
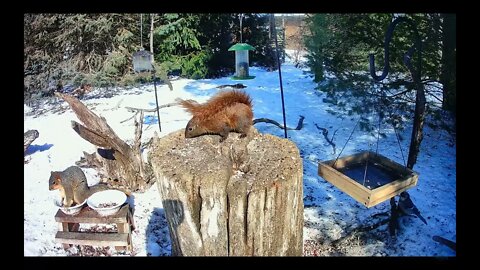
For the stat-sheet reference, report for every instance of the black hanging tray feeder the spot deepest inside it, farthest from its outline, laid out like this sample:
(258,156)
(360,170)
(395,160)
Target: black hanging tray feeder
(368,177)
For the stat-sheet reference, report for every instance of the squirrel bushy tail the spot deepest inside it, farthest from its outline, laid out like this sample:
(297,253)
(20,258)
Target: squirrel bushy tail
(217,103)
(88,191)
(98,187)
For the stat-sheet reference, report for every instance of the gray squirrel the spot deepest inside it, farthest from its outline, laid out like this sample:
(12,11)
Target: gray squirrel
(73,186)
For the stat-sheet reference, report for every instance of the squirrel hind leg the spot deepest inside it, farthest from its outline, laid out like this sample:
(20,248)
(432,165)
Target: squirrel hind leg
(223,135)
(243,129)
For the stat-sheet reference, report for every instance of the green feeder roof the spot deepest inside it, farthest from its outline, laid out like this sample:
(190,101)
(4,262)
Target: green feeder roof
(241,47)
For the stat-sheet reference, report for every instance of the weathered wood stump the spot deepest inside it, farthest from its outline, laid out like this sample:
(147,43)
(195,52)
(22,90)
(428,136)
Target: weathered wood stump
(28,138)
(241,197)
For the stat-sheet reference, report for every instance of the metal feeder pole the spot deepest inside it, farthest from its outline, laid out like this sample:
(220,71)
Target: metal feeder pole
(156,99)
(279,73)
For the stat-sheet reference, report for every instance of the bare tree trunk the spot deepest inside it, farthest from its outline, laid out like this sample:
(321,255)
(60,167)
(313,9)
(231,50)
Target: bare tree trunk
(242,197)
(448,74)
(152,17)
(120,162)
(417,130)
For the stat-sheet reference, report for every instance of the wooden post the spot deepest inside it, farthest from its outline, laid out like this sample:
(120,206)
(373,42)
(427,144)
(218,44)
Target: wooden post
(241,197)
(68,227)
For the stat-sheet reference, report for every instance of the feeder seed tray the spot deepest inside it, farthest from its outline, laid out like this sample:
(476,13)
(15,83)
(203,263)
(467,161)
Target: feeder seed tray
(384,178)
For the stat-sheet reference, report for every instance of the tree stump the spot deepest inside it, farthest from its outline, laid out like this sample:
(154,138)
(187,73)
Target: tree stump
(241,197)
(28,138)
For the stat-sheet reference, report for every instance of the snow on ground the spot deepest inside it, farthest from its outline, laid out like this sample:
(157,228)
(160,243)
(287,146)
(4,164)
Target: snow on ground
(330,215)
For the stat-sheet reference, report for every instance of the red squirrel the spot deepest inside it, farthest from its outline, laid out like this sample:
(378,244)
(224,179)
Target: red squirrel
(226,111)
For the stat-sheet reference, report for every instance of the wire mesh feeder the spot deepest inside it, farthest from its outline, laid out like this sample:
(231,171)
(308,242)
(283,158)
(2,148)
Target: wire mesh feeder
(368,177)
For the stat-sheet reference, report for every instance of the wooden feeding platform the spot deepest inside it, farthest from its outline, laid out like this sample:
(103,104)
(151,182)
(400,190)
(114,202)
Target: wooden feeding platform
(368,177)
(68,233)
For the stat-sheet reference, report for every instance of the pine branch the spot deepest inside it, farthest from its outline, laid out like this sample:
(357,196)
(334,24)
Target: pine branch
(131,109)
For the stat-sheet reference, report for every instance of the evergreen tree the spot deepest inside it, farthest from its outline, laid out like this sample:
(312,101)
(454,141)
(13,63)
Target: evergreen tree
(338,46)
(91,49)
(177,46)
(448,74)
(217,32)
(97,49)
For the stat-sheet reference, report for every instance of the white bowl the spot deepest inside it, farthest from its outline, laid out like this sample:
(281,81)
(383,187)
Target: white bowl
(72,210)
(107,202)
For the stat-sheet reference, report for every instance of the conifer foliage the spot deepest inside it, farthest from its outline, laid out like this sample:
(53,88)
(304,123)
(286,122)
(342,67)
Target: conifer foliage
(96,49)
(338,46)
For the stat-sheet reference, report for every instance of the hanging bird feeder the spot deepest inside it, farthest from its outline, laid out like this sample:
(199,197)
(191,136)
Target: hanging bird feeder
(241,61)
(369,177)
(142,61)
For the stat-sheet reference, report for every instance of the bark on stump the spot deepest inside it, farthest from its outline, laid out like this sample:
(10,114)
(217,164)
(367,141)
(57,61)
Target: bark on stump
(242,197)
(28,138)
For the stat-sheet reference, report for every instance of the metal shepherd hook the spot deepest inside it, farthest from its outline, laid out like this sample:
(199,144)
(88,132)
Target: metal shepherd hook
(416,76)
(420,101)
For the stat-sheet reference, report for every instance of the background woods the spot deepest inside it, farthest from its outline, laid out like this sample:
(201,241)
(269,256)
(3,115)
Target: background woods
(72,50)
(337,52)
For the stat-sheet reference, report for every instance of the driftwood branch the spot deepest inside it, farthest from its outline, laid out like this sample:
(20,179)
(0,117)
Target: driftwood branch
(270,121)
(87,117)
(29,137)
(135,114)
(137,110)
(131,109)
(90,135)
(114,159)
(325,134)
(138,144)
(89,161)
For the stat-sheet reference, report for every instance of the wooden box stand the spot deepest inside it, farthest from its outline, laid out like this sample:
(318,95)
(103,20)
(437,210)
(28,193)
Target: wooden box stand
(68,228)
